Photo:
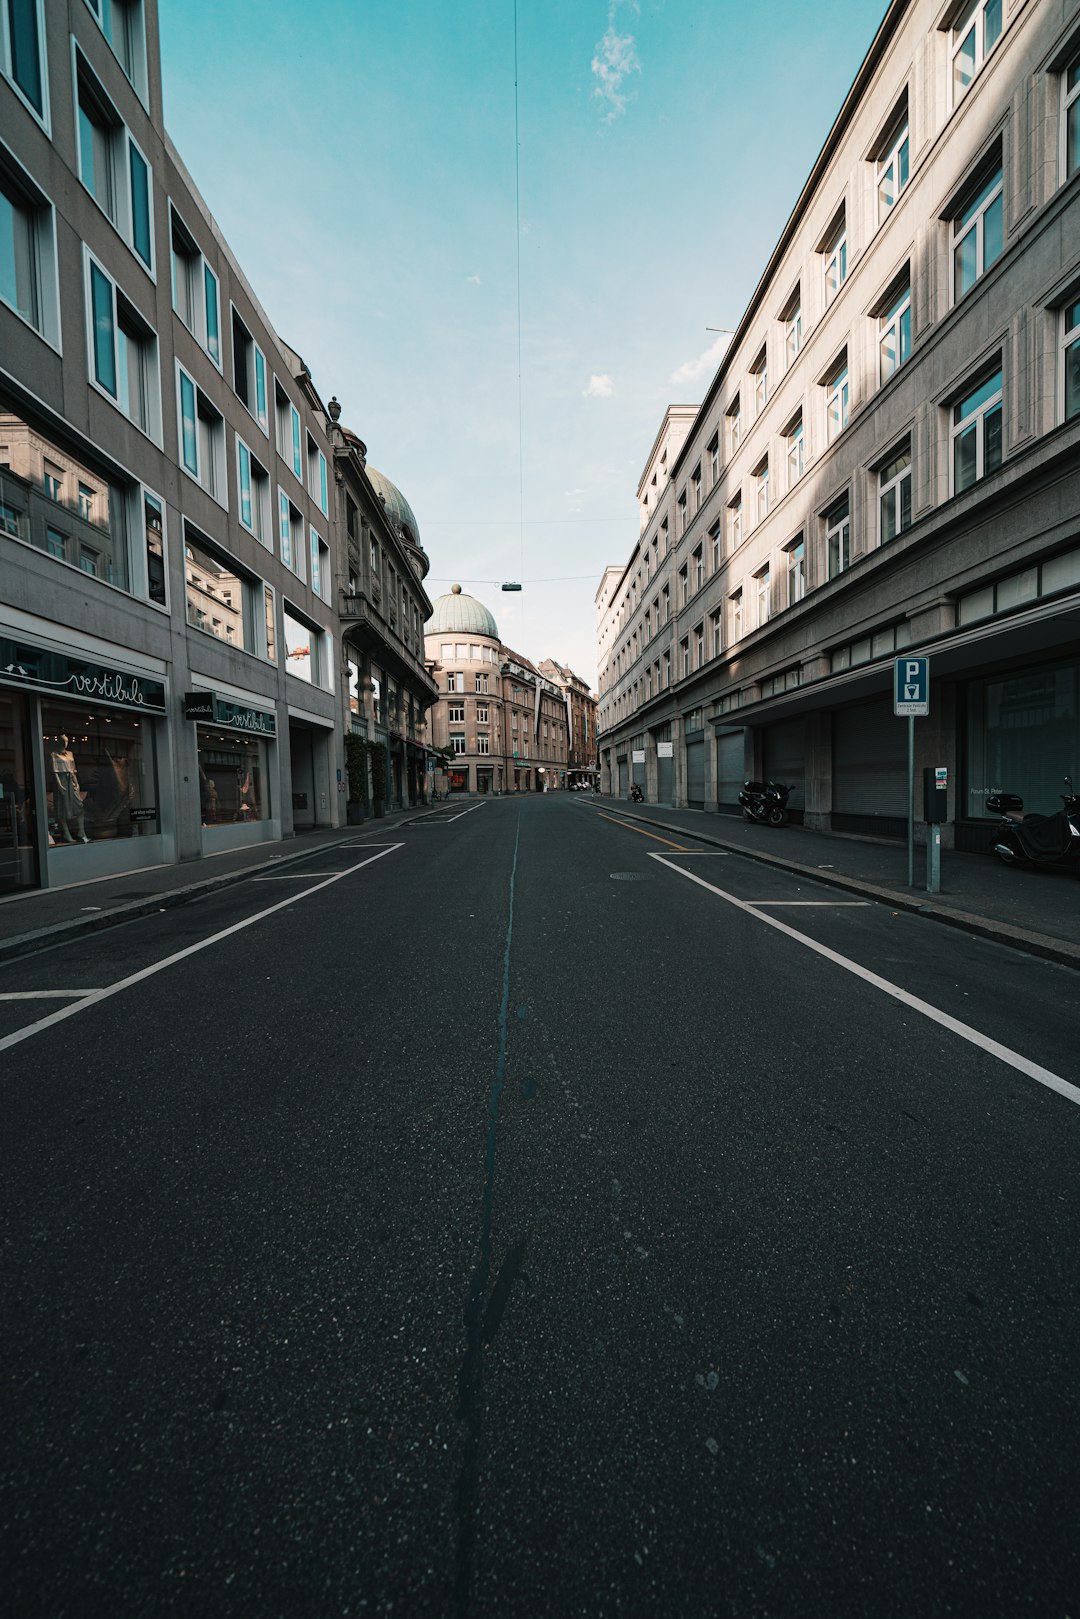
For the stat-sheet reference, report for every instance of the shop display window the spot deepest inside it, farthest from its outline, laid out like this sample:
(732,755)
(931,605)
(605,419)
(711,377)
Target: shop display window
(100,776)
(1023,736)
(232,778)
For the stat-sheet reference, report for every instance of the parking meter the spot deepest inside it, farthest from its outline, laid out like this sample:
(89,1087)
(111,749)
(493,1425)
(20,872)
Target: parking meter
(935,784)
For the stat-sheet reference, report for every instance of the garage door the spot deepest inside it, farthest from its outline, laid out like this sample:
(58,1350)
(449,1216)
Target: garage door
(784,758)
(870,770)
(730,769)
(695,771)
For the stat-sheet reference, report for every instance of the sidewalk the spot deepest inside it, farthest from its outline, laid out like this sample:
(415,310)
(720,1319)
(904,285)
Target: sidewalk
(40,917)
(1036,910)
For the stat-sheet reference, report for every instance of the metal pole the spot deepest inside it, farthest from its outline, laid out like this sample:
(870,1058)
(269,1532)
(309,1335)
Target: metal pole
(911,801)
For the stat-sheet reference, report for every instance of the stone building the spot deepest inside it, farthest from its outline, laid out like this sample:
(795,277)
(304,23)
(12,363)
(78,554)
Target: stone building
(580,718)
(504,722)
(886,461)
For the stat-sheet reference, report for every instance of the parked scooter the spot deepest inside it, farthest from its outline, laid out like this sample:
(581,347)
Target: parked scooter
(765,802)
(1037,840)
(636,794)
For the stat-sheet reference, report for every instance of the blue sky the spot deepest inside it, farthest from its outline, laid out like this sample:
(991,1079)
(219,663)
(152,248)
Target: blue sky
(369,193)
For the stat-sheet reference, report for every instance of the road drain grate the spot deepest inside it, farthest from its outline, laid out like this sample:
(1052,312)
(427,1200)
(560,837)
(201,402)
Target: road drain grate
(630,876)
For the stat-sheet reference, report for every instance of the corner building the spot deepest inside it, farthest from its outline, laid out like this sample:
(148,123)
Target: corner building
(886,460)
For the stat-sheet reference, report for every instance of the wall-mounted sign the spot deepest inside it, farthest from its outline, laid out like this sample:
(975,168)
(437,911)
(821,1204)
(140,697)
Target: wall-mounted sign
(146,812)
(665,750)
(23,664)
(215,710)
(637,756)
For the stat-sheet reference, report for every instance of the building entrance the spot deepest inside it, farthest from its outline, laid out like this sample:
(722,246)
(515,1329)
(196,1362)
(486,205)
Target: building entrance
(18,846)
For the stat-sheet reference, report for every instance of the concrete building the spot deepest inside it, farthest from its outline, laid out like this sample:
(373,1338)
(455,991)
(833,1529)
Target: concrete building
(170,668)
(581,761)
(505,723)
(886,460)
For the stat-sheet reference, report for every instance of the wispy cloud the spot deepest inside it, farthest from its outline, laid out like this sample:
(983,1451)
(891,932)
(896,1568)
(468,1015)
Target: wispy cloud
(693,371)
(616,58)
(473,280)
(600,387)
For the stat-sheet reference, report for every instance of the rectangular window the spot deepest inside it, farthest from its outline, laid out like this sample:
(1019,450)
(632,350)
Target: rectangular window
(735,613)
(307,650)
(290,534)
(973,37)
(796,571)
(684,586)
(894,326)
(892,168)
(734,425)
(154,538)
(792,320)
(457,742)
(122,23)
(249,372)
(111,166)
(978,234)
(894,495)
(976,433)
(760,373)
(796,450)
(28,252)
(716,633)
(220,598)
(253,483)
(22,52)
(764,596)
(761,489)
(320,565)
(714,546)
(195,292)
(1071,119)
(684,656)
(699,646)
(1071,362)
(681,507)
(836,400)
(838,537)
(455,713)
(269,624)
(317,488)
(202,438)
(699,568)
(123,352)
(481,713)
(834,257)
(289,438)
(735,523)
(713,452)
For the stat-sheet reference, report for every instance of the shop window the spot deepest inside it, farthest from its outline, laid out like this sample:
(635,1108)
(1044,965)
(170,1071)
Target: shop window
(1019,729)
(100,778)
(233,778)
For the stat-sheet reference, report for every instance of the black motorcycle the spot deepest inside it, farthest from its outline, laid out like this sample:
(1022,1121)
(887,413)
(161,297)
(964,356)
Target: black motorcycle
(1036,840)
(764,802)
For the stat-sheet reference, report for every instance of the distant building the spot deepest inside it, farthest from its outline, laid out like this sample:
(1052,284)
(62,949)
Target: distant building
(505,723)
(582,760)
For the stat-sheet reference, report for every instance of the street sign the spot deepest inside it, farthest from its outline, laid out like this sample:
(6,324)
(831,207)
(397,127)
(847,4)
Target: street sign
(637,756)
(665,750)
(911,687)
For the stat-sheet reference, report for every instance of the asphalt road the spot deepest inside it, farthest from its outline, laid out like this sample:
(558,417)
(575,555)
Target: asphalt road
(518,1213)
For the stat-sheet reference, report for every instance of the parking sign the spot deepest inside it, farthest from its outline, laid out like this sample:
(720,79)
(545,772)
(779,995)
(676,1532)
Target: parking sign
(911,687)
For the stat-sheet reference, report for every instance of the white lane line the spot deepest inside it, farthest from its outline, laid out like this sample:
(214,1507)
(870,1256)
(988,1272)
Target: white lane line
(828,904)
(293,876)
(93,997)
(47,994)
(975,1037)
(437,819)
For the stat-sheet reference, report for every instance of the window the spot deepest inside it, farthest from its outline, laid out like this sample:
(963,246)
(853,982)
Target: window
(22,52)
(714,546)
(894,322)
(648,626)
(695,490)
(978,234)
(796,571)
(699,645)
(716,633)
(713,452)
(111,166)
(121,21)
(735,612)
(735,523)
(665,598)
(976,433)
(892,167)
(682,513)
(734,425)
(480,683)
(195,294)
(253,485)
(1071,118)
(761,489)
(684,656)
(316,461)
(795,451)
(667,668)
(836,399)
(699,568)
(834,255)
(792,320)
(202,439)
(894,495)
(320,565)
(123,352)
(270,623)
(28,252)
(481,713)
(1071,362)
(973,36)
(760,373)
(289,442)
(455,680)
(308,652)
(221,600)
(457,743)
(455,713)
(684,585)
(483,742)
(838,537)
(290,534)
(249,372)
(764,595)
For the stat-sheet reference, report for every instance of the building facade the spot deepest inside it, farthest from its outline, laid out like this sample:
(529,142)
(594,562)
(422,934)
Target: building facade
(171,678)
(886,461)
(580,703)
(503,722)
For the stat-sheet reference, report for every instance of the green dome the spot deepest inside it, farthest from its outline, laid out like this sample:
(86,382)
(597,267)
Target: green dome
(463,615)
(398,509)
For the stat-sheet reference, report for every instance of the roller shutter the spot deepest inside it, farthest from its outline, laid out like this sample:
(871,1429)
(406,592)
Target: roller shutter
(730,768)
(784,755)
(695,771)
(869,775)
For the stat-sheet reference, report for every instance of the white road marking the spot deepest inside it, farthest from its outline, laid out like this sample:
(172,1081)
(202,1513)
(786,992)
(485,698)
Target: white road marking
(293,876)
(95,996)
(47,994)
(975,1037)
(829,904)
(438,818)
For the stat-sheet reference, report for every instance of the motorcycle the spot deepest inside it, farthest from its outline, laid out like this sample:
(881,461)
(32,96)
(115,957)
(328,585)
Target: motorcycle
(636,794)
(765,802)
(1037,840)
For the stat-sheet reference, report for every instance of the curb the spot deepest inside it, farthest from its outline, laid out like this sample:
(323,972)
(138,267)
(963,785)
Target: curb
(1034,944)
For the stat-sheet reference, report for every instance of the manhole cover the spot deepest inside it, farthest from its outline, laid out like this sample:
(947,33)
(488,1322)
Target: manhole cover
(630,876)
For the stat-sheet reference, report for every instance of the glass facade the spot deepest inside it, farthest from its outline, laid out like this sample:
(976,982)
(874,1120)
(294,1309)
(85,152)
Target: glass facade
(100,774)
(1023,736)
(232,777)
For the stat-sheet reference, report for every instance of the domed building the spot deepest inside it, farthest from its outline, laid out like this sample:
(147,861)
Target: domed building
(502,720)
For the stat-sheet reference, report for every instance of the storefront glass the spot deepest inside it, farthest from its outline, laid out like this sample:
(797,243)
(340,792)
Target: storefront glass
(100,774)
(1023,736)
(18,855)
(232,778)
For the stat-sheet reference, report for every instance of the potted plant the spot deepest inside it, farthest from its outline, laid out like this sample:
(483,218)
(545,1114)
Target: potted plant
(356,752)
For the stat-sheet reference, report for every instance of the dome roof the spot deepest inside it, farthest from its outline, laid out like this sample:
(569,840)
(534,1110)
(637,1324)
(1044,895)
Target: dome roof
(398,509)
(462,614)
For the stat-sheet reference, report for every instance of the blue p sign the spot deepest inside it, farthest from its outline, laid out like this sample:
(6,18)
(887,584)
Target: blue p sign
(911,686)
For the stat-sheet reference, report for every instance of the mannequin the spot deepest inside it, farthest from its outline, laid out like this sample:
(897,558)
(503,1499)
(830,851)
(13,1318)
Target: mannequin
(67,797)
